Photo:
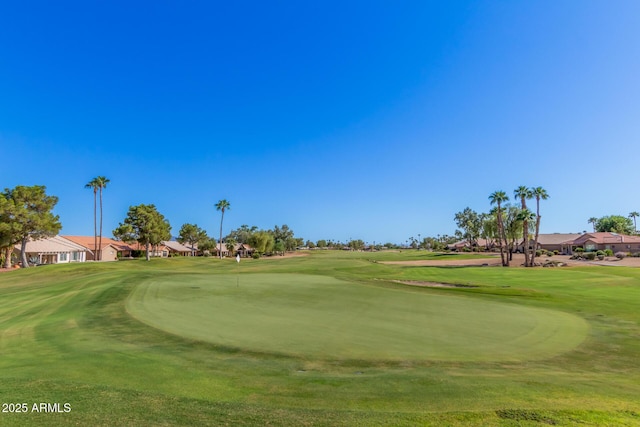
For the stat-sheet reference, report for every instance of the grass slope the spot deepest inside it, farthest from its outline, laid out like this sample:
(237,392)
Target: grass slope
(66,336)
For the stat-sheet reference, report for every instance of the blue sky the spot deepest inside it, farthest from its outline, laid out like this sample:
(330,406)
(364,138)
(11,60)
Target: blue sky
(372,120)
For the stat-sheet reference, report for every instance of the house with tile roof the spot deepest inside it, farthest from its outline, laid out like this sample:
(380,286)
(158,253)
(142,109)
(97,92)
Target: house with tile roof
(177,248)
(550,242)
(53,250)
(603,240)
(110,250)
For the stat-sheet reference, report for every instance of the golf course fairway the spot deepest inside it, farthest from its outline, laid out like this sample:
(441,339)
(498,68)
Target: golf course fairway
(312,316)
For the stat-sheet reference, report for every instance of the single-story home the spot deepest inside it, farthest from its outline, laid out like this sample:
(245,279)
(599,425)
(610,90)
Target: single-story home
(53,250)
(480,244)
(601,241)
(239,248)
(110,250)
(550,242)
(177,248)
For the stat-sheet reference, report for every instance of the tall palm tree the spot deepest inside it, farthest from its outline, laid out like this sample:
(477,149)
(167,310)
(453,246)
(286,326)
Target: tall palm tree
(222,206)
(97,184)
(593,221)
(497,198)
(102,183)
(524,193)
(634,215)
(539,193)
(94,185)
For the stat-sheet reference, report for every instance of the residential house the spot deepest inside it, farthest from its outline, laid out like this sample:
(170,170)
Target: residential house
(53,250)
(480,244)
(601,241)
(177,248)
(110,250)
(550,242)
(239,248)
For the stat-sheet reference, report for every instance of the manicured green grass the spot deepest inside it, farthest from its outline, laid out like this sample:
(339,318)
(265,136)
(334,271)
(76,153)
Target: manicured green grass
(66,336)
(320,317)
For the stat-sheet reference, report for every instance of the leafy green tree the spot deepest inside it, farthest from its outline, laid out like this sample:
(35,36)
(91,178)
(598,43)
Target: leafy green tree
(207,246)
(193,235)
(145,225)
(498,198)
(242,234)
(634,215)
(321,243)
(489,229)
(285,235)
(8,232)
(471,225)
(222,206)
(356,244)
(593,221)
(310,244)
(615,224)
(262,242)
(27,211)
(97,184)
(279,248)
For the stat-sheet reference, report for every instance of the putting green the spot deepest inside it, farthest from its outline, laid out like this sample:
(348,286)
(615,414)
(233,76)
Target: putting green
(323,317)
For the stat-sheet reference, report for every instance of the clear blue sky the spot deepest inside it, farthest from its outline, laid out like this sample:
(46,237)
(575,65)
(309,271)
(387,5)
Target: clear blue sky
(353,119)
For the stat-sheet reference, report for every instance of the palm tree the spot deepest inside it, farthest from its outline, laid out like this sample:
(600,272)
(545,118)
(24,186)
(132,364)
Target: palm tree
(593,221)
(97,184)
(634,215)
(538,193)
(94,185)
(524,193)
(222,206)
(497,198)
(102,183)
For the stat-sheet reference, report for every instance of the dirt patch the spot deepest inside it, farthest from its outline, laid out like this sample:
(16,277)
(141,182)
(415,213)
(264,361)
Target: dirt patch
(432,284)
(517,261)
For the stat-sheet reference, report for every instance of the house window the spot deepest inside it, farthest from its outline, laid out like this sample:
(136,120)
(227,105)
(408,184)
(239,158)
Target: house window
(75,256)
(63,257)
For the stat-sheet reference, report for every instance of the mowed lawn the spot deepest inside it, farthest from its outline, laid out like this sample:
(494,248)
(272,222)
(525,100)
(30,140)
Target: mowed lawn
(325,318)
(326,339)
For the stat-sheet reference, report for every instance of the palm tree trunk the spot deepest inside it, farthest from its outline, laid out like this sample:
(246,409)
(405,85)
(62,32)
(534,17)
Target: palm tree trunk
(100,256)
(95,227)
(220,241)
(535,242)
(503,239)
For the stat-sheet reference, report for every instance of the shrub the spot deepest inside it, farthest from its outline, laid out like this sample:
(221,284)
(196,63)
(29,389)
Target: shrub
(539,252)
(636,254)
(600,253)
(556,252)
(549,253)
(608,252)
(601,257)
(620,255)
(590,256)
(579,250)
(255,255)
